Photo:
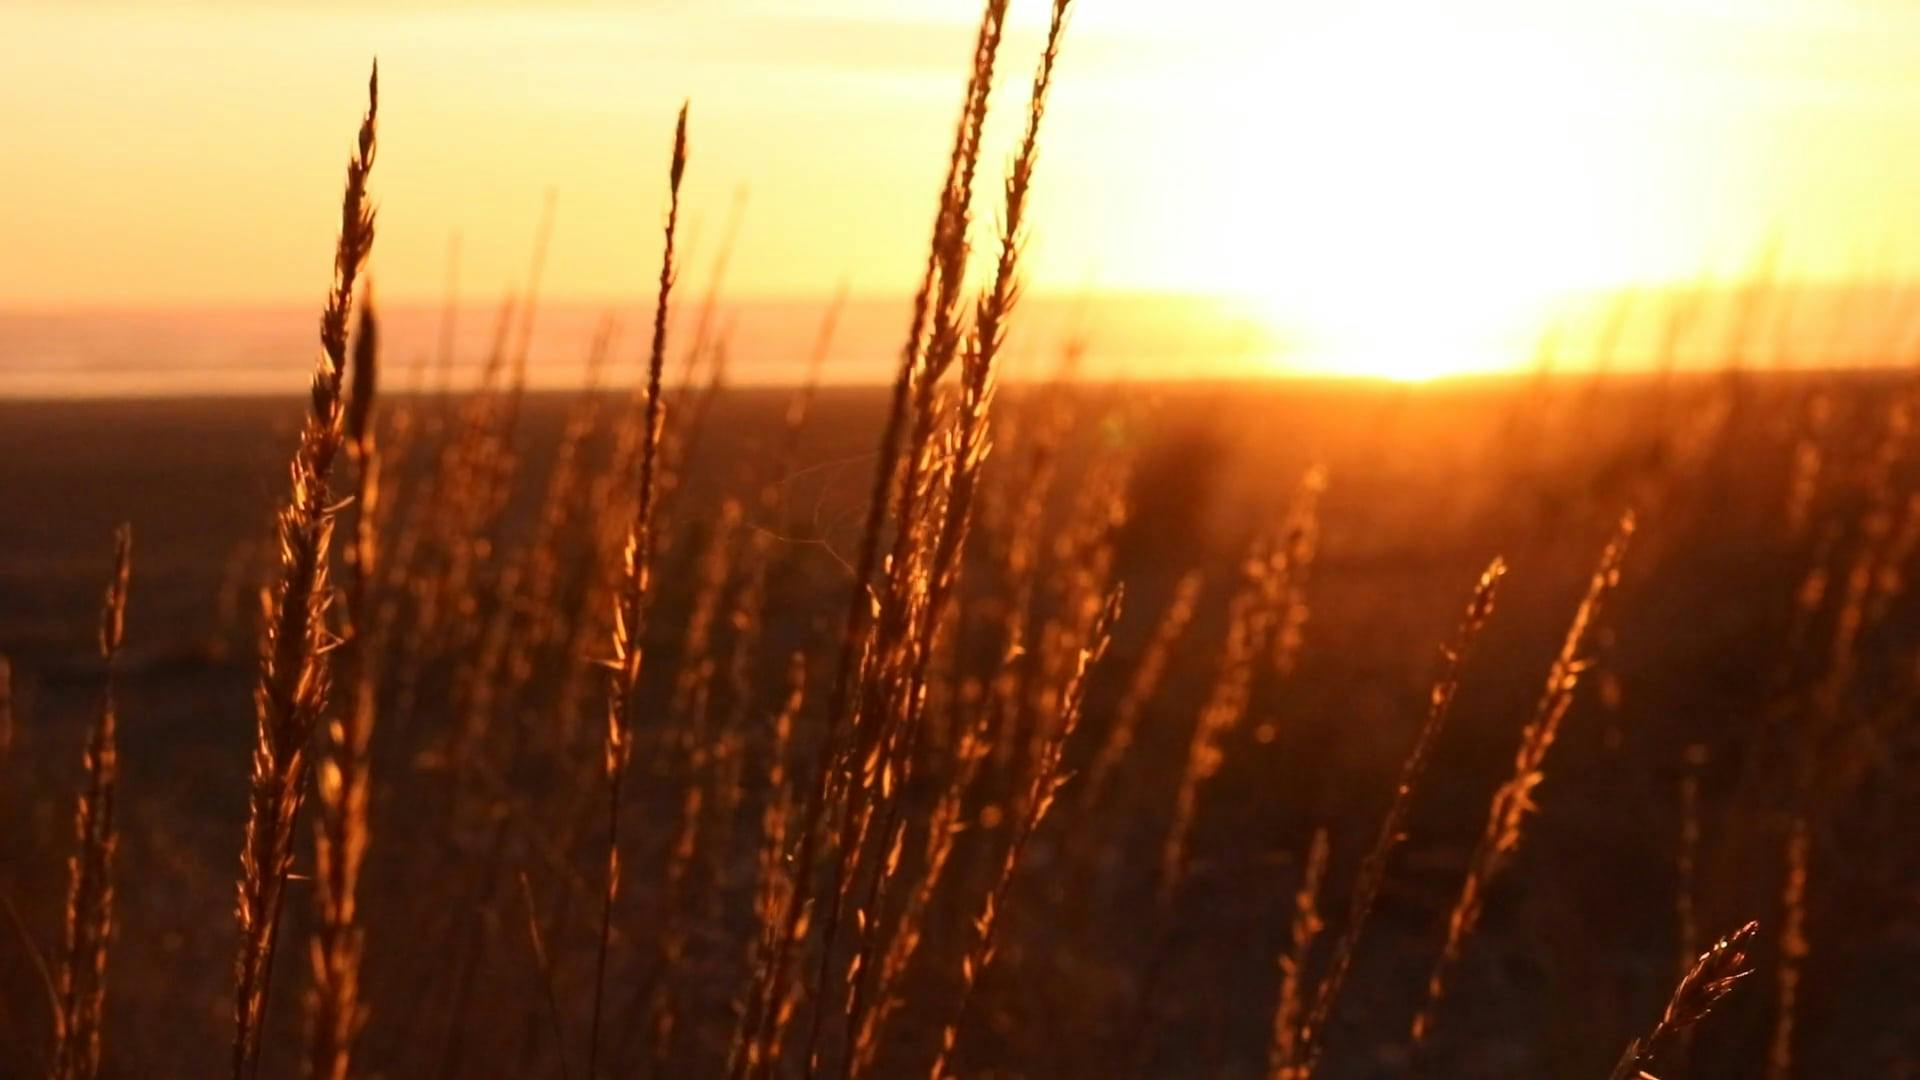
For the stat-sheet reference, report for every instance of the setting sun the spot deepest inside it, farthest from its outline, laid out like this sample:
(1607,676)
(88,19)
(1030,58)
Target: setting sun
(1395,189)
(1413,192)
(794,539)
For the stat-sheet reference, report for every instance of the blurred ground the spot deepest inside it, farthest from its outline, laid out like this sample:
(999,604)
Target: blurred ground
(1425,485)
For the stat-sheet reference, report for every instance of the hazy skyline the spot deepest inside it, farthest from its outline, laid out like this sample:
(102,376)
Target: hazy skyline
(1369,176)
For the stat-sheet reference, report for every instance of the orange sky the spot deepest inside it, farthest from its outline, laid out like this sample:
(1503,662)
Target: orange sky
(1368,174)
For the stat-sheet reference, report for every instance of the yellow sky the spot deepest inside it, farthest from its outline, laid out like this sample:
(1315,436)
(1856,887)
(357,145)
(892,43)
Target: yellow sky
(1366,173)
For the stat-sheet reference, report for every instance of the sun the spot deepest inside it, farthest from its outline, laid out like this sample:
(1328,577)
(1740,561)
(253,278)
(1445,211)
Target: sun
(1424,331)
(1419,196)
(1409,362)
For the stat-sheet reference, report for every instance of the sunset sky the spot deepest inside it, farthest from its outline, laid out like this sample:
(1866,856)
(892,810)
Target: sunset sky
(1354,171)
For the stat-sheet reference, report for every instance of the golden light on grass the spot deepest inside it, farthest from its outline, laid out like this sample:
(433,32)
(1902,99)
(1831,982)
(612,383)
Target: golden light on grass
(884,781)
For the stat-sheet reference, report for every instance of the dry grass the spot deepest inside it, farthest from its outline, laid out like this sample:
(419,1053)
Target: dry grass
(81,980)
(1263,634)
(629,620)
(837,810)
(1290,1055)
(1793,950)
(1043,785)
(822,821)
(342,781)
(1513,801)
(294,682)
(1373,871)
(1713,976)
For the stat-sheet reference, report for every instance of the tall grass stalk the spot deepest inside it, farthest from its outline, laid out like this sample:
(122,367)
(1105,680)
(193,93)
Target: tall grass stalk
(1264,623)
(970,443)
(1042,787)
(631,605)
(1373,871)
(81,981)
(1794,948)
(1142,686)
(1287,1055)
(836,756)
(1513,800)
(343,780)
(1713,976)
(291,692)
(872,671)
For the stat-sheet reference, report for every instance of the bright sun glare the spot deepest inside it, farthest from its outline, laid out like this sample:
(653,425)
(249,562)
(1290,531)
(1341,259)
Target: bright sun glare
(1393,189)
(1415,200)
